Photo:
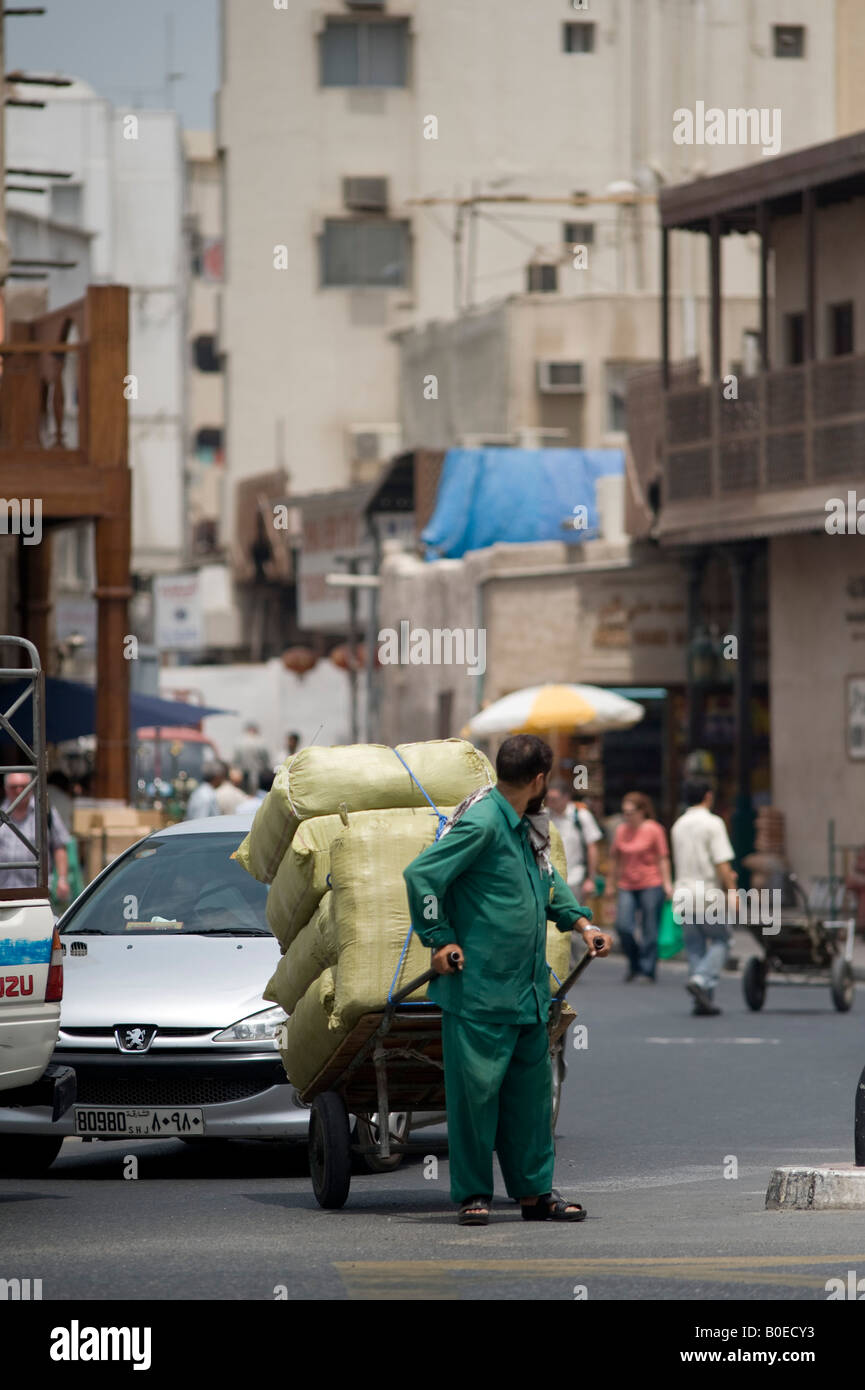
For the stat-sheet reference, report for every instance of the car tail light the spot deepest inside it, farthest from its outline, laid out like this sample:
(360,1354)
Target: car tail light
(54,988)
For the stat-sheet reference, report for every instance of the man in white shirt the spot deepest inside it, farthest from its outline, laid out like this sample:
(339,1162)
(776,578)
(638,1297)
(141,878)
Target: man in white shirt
(203,802)
(580,835)
(702,858)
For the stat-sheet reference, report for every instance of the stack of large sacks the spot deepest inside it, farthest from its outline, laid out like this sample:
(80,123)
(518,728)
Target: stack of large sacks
(332,839)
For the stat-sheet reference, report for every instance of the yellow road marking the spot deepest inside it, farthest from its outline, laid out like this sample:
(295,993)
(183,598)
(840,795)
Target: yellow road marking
(434,1279)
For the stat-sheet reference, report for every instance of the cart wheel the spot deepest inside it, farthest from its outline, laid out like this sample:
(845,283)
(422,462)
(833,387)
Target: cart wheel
(842,985)
(329,1150)
(368,1133)
(559,1066)
(754,983)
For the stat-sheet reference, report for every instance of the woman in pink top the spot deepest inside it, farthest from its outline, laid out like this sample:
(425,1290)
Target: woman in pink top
(642,878)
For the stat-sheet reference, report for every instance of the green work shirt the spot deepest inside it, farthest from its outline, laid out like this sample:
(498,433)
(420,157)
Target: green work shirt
(481,886)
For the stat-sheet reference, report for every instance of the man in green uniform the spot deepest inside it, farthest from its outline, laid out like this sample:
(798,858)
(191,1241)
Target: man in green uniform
(484,891)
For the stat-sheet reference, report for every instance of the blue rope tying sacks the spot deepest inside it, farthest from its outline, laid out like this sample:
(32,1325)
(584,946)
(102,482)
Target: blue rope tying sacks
(443,820)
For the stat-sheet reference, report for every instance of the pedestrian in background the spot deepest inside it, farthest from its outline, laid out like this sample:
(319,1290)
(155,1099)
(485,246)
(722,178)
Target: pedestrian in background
(14,850)
(251,755)
(640,880)
(252,803)
(230,793)
(580,837)
(203,800)
(702,855)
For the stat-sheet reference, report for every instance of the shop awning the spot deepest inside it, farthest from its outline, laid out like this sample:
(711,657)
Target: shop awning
(70,711)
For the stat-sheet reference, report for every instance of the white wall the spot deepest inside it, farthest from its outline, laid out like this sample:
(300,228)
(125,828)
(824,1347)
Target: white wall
(275,699)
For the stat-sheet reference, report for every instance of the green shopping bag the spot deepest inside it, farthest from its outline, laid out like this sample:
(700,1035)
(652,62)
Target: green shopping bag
(670,938)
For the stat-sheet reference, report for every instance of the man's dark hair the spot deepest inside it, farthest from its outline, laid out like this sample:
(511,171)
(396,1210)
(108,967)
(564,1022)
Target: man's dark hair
(521,758)
(696,790)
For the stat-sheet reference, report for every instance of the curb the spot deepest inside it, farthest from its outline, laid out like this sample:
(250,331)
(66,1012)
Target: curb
(839,1187)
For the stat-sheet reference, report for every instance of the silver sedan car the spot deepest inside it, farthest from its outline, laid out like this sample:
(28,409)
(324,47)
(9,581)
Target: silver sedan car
(166,955)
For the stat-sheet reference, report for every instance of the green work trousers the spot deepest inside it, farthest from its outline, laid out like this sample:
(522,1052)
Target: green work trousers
(498,1084)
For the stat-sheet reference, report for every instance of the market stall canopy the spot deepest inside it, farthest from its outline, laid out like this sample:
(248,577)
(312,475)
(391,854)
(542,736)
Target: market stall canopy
(70,711)
(539,709)
(516,495)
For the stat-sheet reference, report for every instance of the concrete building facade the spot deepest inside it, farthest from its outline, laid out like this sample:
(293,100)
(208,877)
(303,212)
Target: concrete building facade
(349,134)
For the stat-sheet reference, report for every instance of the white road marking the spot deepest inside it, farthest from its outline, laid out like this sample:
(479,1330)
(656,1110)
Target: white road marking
(714,1041)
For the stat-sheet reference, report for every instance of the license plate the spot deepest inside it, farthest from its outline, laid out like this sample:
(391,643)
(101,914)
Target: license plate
(145,1123)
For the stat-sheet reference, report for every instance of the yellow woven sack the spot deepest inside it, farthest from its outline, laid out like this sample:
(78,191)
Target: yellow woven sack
(359,777)
(312,951)
(308,1040)
(370,908)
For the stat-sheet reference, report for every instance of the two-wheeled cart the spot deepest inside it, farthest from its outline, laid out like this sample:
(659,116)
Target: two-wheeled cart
(389,1068)
(804,948)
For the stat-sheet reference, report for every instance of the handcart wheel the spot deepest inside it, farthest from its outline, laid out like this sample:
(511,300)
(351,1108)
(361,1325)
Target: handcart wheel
(329,1150)
(842,984)
(559,1067)
(368,1134)
(754,983)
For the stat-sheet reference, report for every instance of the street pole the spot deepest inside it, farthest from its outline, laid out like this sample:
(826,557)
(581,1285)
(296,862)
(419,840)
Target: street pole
(352,652)
(859,1123)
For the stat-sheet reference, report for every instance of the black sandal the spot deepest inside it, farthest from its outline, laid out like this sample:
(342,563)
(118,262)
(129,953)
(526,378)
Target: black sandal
(475,1211)
(553,1206)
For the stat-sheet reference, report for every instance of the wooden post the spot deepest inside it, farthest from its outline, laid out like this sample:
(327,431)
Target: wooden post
(809,230)
(763,229)
(106,335)
(665,309)
(715,296)
(34,587)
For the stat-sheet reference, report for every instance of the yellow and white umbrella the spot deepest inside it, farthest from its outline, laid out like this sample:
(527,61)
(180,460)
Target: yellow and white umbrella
(540,709)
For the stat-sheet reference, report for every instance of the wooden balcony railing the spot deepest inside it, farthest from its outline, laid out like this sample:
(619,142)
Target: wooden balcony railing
(794,428)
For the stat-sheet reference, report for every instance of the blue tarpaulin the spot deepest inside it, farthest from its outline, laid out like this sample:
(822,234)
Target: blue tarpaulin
(70,710)
(489,495)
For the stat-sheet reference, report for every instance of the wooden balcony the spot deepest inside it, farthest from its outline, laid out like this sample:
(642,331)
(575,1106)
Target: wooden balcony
(63,415)
(767,461)
(63,444)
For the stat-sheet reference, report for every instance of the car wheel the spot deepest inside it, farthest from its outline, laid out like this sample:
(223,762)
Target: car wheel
(26,1155)
(367,1133)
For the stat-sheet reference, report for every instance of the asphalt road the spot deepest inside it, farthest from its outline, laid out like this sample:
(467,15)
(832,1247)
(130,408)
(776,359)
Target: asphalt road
(660,1110)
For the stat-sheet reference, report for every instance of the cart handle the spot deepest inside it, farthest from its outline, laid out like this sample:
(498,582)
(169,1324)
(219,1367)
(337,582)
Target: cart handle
(421,980)
(575,974)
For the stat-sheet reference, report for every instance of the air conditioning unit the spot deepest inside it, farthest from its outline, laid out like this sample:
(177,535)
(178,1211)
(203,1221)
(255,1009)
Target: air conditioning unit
(561,378)
(365,194)
(370,444)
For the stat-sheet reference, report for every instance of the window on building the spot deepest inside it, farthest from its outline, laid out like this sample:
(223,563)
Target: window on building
(788,40)
(542,279)
(840,336)
(579,233)
(364,53)
(794,339)
(365,252)
(204,353)
(578,37)
(617,417)
(67,203)
(208,444)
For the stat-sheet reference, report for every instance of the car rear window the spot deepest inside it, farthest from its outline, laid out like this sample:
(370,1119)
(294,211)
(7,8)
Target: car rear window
(184,883)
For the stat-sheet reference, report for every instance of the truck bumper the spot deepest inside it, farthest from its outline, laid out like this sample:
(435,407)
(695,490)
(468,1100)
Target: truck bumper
(55,1088)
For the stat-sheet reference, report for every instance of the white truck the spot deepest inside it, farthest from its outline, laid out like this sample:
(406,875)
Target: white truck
(31,961)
